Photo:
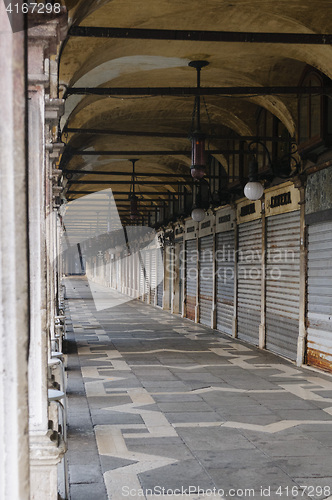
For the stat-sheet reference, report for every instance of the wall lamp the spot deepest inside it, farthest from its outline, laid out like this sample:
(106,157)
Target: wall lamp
(284,168)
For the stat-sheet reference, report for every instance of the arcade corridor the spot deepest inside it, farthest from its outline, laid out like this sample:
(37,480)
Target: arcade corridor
(165,249)
(156,401)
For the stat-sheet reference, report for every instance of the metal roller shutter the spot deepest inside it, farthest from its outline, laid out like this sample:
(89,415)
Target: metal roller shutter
(160,277)
(171,274)
(249,281)
(180,270)
(320,295)
(225,262)
(153,274)
(146,261)
(282,283)
(141,275)
(191,278)
(205,279)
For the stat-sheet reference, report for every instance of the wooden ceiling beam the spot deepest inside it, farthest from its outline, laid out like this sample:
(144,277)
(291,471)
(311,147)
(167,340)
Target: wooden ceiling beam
(80,152)
(224,137)
(143,183)
(202,91)
(201,36)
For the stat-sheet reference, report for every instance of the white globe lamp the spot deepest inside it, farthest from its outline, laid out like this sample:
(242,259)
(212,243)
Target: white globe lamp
(253,190)
(198,214)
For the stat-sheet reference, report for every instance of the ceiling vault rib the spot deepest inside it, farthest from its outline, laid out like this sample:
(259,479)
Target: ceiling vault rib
(71,130)
(201,36)
(144,183)
(146,193)
(138,174)
(178,91)
(96,131)
(80,152)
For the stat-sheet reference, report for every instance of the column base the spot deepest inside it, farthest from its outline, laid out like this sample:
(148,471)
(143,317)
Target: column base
(45,454)
(301,349)
(262,336)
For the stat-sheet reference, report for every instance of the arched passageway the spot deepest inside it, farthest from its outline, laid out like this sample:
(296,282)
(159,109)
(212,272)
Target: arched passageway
(173,159)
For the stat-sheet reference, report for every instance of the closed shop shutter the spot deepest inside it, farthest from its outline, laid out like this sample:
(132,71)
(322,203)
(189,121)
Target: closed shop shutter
(225,262)
(205,279)
(249,280)
(319,326)
(160,277)
(170,274)
(146,260)
(153,273)
(282,283)
(181,277)
(141,275)
(118,275)
(191,278)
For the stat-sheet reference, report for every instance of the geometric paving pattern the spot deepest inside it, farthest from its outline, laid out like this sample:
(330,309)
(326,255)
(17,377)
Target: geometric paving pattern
(160,407)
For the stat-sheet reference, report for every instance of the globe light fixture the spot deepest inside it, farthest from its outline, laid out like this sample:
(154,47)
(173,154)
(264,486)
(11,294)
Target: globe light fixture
(253,190)
(198,214)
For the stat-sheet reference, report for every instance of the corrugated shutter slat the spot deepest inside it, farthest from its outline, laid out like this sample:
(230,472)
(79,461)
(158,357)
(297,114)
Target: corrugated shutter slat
(282,283)
(319,325)
(225,262)
(249,280)
(191,278)
(205,279)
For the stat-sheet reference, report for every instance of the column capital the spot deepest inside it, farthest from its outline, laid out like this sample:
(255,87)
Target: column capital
(54,109)
(44,450)
(51,29)
(45,33)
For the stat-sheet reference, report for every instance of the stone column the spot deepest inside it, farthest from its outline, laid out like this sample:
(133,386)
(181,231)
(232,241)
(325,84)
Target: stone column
(302,339)
(262,326)
(46,446)
(14,316)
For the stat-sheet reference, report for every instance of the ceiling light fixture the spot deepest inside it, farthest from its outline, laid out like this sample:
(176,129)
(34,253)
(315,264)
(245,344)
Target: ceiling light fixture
(285,167)
(197,137)
(253,190)
(134,213)
(198,214)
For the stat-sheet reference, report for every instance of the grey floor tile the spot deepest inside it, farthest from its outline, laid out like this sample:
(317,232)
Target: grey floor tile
(89,473)
(254,480)
(111,463)
(313,466)
(185,406)
(303,415)
(100,417)
(182,474)
(91,491)
(214,439)
(317,488)
(192,416)
(294,448)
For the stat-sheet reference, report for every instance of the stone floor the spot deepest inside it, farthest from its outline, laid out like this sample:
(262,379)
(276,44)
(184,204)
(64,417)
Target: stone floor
(160,407)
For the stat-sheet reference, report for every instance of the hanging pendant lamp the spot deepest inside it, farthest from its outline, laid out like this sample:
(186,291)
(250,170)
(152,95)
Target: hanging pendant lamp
(134,213)
(197,137)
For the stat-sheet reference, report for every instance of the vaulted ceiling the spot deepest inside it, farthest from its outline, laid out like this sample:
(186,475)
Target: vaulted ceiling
(126,126)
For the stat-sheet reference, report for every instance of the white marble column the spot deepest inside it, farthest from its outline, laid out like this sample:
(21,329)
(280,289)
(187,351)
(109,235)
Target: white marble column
(14,323)
(46,446)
